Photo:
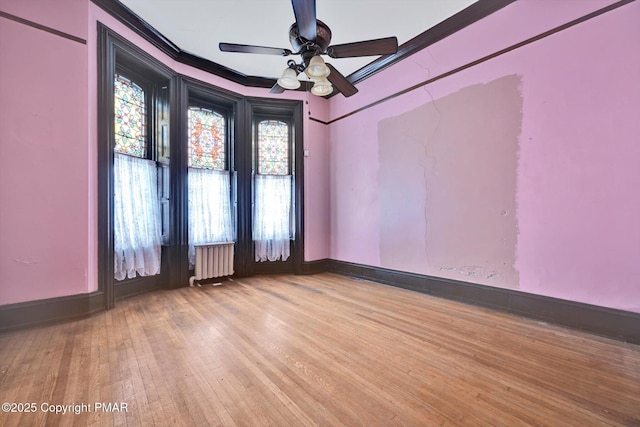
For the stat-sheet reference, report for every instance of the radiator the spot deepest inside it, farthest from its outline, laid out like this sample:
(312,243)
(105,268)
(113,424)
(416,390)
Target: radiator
(213,260)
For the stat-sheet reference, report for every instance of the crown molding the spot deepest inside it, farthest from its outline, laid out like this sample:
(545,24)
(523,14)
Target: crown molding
(460,20)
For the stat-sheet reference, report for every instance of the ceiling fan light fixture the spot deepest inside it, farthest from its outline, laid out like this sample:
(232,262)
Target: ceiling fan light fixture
(289,79)
(317,69)
(322,87)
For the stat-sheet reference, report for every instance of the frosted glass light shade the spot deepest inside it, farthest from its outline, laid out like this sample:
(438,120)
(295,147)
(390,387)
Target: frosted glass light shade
(322,87)
(317,69)
(289,79)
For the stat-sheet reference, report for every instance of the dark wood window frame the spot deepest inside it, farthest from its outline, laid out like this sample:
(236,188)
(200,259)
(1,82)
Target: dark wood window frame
(198,94)
(117,53)
(259,109)
(154,87)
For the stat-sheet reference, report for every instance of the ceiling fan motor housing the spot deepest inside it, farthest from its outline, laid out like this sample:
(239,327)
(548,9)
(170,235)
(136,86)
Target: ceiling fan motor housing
(310,48)
(310,38)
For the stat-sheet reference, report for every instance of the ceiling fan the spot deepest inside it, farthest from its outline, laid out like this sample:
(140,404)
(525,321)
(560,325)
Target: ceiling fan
(310,38)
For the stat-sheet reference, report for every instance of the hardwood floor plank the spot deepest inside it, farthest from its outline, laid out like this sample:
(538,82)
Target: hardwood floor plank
(316,350)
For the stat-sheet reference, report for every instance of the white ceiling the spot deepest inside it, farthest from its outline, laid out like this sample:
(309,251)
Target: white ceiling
(197,26)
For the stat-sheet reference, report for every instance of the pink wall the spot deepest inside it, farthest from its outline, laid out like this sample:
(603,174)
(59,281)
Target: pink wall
(48,157)
(577,234)
(579,207)
(577,230)
(316,183)
(44,242)
(68,16)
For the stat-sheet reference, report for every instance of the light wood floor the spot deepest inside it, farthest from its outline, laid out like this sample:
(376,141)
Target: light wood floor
(316,350)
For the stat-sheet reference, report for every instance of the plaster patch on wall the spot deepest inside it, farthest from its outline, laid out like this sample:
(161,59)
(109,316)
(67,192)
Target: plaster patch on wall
(447,185)
(472,271)
(26,261)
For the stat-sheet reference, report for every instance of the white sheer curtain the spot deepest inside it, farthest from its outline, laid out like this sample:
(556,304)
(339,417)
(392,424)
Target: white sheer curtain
(272,217)
(209,208)
(136,217)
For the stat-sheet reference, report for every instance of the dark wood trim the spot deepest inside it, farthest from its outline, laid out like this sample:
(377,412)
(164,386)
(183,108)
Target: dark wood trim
(114,51)
(488,57)
(298,137)
(106,66)
(313,119)
(617,324)
(608,322)
(136,286)
(51,310)
(291,111)
(178,261)
(42,27)
(224,72)
(138,25)
(153,36)
(197,92)
(315,267)
(243,162)
(275,267)
(473,13)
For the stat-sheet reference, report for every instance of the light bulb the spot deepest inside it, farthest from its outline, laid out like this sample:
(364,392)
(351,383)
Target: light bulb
(317,69)
(289,79)
(322,87)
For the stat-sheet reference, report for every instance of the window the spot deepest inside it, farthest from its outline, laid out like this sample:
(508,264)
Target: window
(209,181)
(136,217)
(273,147)
(130,117)
(272,218)
(207,132)
(184,130)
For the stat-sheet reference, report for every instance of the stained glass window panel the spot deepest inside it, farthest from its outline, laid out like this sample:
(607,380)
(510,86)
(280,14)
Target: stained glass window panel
(206,139)
(130,117)
(273,148)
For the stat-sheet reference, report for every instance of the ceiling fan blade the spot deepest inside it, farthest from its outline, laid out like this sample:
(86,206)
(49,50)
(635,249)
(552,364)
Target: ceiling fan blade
(305,12)
(276,89)
(386,46)
(244,48)
(340,82)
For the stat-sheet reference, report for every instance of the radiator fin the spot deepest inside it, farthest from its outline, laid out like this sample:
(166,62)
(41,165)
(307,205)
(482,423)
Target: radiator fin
(213,260)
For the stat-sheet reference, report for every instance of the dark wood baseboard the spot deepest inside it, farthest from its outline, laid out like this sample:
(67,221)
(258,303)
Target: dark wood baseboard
(315,267)
(617,324)
(275,267)
(51,310)
(54,310)
(136,286)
